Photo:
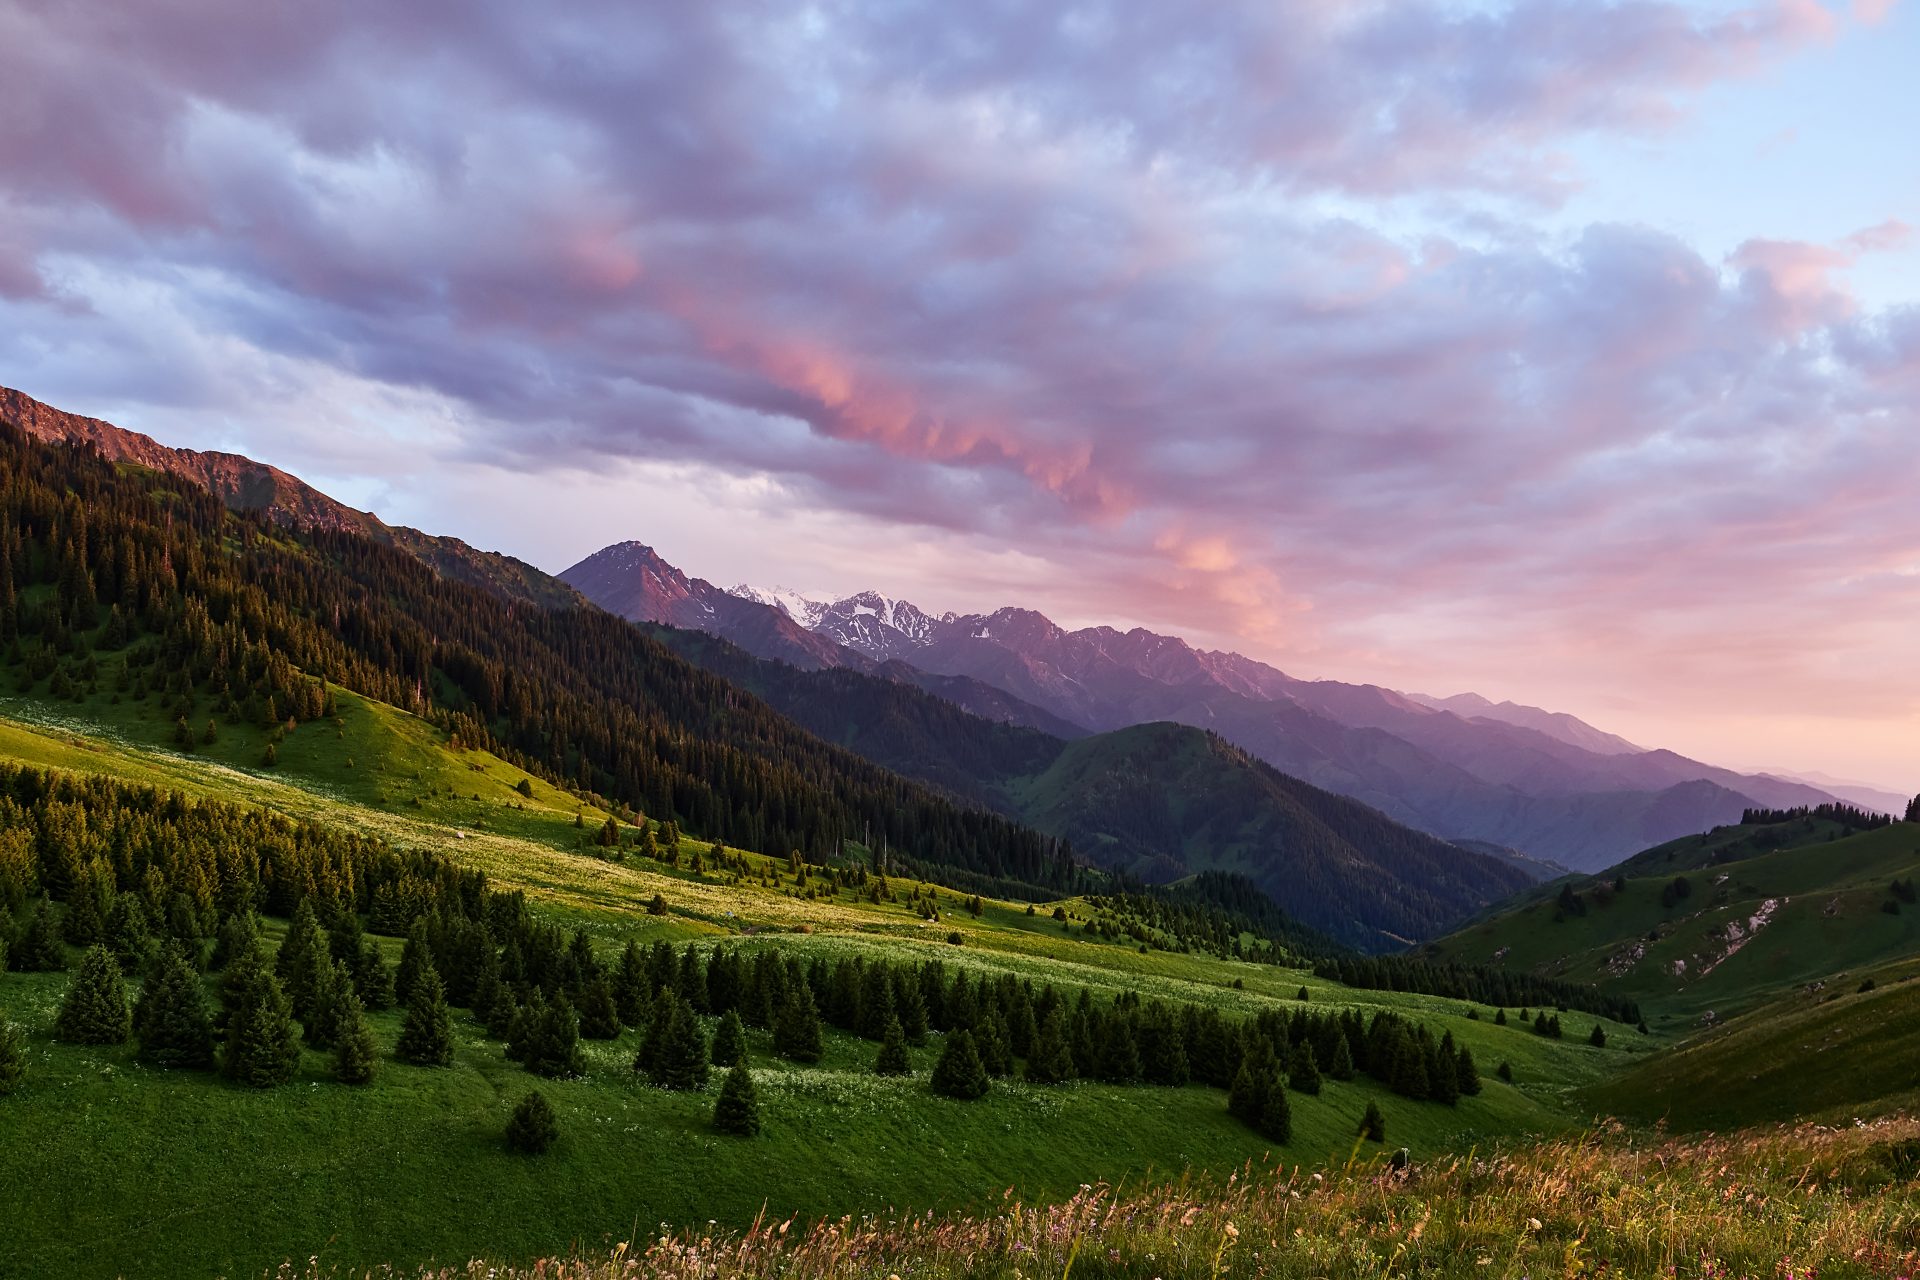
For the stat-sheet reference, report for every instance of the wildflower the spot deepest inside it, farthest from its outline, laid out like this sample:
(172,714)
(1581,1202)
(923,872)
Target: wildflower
(1534,1224)
(1233,1232)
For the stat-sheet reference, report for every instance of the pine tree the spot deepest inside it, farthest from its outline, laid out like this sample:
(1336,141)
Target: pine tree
(631,988)
(1247,1096)
(796,1030)
(95,1009)
(553,1042)
(679,1061)
(86,920)
(356,1054)
(737,1109)
(415,957)
(729,1041)
(1276,1114)
(13,1058)
(959,1073)
(1052,1059)
(426,1032)
(238,933)
(1505,1072)
(172,1021)
(372,979)
(911,1007)
(1305,1073)
(38,949)
(1466,1074)
(1341,1068)
(990,1042)
(1599,1037)
(1119,1052)
(533,1127)
(599,1017)
(262,1047)
(1373,1125)
(327,983)
(892,1059)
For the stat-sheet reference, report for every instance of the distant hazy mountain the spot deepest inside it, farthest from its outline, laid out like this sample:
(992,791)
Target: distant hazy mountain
(1464,767)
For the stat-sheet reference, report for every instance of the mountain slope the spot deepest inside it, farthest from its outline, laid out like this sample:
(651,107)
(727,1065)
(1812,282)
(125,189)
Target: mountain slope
(242,484)
(1159,801)
(1720,921)
(1163,801)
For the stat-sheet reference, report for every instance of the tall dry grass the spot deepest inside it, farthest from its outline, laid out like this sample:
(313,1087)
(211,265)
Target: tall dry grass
(1789,1203)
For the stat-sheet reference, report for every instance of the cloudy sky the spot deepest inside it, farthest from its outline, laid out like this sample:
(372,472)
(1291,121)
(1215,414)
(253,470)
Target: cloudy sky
(1561,350)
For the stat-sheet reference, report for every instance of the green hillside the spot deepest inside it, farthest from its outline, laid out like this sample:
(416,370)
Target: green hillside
(1716,923)
(1826,1055)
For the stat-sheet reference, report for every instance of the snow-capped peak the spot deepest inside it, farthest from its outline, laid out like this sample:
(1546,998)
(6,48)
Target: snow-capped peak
(795,604)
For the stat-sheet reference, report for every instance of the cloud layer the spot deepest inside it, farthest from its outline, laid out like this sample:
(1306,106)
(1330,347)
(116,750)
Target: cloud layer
(1240,319)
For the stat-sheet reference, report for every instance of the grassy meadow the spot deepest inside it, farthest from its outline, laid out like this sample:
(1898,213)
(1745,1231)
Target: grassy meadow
(187,1174)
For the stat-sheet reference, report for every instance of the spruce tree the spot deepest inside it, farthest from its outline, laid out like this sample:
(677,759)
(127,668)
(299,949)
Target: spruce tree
(737,1109)
(1599,1037)
(796,1029)
(680,1060)
(959,1072)
(553,1046)
(95,1009)
(354,1052)
(1373,1125)
(1247,1096)
(1341,1068)
(1276,1114)
(631,989)
(1119,1052)
(262,1047)
(533,1126)
(13,1058)
(38,948)
(1466,1075)
(599,1017)
(174,1026)
(729,1041)
(1052,1058)
(892,1059)
(372,979)
(426,1032)
(237,936)
(911,1006)
(326,984)
(991,1043)
(415,958)
(1305,1073)
(1505,1072)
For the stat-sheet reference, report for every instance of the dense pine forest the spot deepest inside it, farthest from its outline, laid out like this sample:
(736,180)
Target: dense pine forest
(225,615)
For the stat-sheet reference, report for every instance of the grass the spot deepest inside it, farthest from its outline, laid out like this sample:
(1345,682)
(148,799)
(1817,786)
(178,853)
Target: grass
(184,1174)
(1792,1204)
(1831,1054)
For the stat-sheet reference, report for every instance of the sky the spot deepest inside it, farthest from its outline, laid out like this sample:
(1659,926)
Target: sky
(1559,350)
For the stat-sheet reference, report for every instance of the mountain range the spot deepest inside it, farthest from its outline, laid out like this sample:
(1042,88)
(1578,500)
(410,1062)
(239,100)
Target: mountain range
(761,751)
(1544,784)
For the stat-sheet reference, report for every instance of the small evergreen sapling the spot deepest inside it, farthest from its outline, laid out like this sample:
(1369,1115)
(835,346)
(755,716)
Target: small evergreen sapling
(95,1009)
(533,1127)
(737,1110)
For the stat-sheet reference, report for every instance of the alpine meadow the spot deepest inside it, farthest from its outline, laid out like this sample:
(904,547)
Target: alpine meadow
(1171,464)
